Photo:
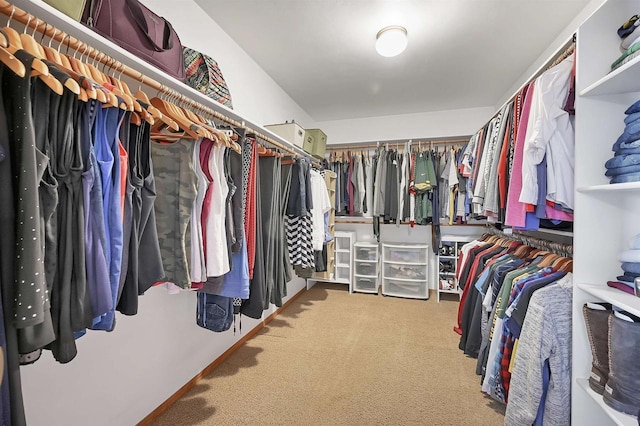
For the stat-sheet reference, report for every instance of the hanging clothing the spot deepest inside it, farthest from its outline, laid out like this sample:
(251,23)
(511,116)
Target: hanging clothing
(176,184)
(550,131)
(321,205)
(145,260)
(545,343)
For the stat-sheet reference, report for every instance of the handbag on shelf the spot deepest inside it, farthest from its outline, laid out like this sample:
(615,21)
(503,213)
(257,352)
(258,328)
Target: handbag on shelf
(204,75)
(72,8)
(138,30)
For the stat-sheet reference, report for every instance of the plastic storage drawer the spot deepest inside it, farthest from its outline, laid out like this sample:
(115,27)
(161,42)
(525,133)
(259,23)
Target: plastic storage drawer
(366,253)
(405,272)
(367,284)
(411,289)
(366,268)
(405,254)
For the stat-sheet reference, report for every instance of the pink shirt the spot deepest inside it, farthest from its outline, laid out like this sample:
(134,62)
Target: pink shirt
(516,213)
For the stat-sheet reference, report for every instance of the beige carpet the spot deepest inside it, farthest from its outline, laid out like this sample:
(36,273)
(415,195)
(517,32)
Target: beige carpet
(332,358)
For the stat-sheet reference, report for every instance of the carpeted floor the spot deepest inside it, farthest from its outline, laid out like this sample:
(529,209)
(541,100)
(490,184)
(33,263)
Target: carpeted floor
(332,358)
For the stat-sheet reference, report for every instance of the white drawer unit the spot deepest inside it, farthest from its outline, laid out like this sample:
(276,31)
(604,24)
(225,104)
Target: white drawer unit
(366,268)
(411,289)
(405,270)
(407,254)
(365,284)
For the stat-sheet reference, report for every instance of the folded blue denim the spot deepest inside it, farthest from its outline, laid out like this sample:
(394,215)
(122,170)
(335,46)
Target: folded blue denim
(632,117)
(635,107)
(214,312)
(630,133)
(617,171)
(629,177)
(627,276)
(627,151)
(623,161)
(632,267)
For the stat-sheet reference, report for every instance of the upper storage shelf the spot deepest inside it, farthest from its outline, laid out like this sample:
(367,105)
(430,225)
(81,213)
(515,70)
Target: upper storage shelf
(622,80)
(610,188)
(600,47)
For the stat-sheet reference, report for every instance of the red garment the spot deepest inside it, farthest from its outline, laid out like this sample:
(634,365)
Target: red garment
(503,177)
(469,283)
(250,211)
(206,146)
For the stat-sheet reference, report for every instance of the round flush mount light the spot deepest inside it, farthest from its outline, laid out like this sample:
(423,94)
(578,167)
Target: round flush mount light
(391,41)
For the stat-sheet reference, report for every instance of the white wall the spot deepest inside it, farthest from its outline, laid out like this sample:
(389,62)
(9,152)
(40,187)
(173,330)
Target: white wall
(120,377)
(431,125)
(550,51)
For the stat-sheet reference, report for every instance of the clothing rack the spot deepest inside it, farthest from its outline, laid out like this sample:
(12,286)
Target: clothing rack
(77,46)
(413,142)
(565,250)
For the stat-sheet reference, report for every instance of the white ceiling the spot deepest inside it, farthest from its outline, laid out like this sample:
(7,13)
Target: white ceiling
(461,53)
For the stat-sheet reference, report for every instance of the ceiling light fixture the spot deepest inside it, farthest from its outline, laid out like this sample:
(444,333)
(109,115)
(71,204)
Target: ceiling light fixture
(391,41)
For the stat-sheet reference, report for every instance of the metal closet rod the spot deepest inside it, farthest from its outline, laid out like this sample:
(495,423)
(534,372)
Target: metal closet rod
(425,142)
(32,21)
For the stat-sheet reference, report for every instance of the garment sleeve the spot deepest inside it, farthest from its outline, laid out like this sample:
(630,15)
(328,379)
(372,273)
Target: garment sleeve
(526,387)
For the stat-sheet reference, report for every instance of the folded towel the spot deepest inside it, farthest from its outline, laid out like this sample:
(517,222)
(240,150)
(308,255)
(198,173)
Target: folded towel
(627,276)
(621,286)
(630,256)
(629,54)
(631,267)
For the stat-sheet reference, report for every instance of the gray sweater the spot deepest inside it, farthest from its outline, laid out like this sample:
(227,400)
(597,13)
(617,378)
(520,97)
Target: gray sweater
(546,335)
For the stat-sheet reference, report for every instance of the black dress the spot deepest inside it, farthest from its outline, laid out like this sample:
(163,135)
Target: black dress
(24,290)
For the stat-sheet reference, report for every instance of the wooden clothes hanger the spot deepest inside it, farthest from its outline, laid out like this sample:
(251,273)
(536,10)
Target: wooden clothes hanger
(155,112)
(183,123)
(39,68)
(54,57)
(13,63)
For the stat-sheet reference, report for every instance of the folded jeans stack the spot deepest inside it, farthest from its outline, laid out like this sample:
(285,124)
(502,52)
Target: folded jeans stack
(624,166)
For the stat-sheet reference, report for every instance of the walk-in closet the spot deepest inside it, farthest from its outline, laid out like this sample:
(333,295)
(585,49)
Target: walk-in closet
(319,212)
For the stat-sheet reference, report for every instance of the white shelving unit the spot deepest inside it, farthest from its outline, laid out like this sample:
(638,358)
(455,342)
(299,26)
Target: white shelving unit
(341,271)
(606,215)
(405,270)
(344,256)
(365,271)
(448,265)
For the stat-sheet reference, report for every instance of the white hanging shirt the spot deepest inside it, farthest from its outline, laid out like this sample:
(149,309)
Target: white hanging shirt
(217,251)
(198,265)
(550,132)
(321,205)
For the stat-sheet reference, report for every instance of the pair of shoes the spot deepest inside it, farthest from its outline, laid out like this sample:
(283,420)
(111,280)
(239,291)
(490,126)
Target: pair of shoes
(615,373)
